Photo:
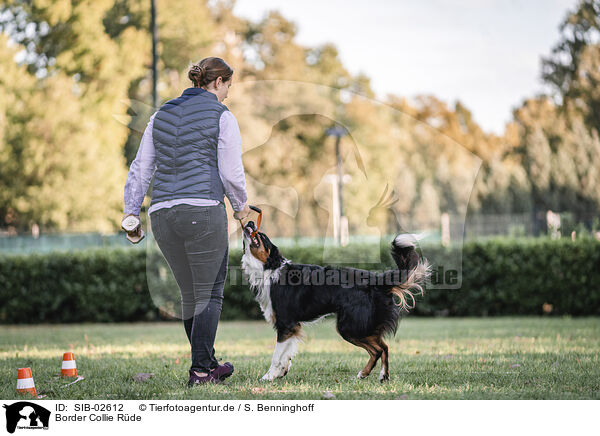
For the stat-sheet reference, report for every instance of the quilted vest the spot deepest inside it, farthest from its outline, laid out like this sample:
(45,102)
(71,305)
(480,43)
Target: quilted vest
(185,134)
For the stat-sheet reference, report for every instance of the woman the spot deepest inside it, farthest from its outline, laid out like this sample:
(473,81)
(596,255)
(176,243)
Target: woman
(193,147)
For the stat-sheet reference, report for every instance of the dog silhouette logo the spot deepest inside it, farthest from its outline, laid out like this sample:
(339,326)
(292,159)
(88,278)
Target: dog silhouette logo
(26,415)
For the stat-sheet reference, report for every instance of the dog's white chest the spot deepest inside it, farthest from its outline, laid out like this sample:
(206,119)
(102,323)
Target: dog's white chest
(260,282)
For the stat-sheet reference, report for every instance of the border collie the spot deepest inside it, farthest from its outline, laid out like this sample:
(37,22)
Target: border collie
(367,304)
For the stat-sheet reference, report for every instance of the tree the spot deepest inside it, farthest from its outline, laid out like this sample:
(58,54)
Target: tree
(73,167)
(560,156)
(572,69)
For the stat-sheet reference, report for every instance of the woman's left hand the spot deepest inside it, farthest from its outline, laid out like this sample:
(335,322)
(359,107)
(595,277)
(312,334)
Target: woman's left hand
(240,215)
(136,231)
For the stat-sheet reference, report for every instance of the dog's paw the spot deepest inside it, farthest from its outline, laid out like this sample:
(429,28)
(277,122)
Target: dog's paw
(273,373)
(267,377)
(383,377)
(280,373)
(360,375)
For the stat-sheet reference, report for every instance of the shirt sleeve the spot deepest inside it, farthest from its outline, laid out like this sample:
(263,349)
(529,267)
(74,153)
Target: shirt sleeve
(231,168)
(140,173)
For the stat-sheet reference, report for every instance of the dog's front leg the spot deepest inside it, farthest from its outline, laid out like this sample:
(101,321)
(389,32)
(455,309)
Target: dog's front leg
(282,358)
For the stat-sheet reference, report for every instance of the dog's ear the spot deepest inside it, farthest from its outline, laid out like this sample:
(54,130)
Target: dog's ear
(275,258)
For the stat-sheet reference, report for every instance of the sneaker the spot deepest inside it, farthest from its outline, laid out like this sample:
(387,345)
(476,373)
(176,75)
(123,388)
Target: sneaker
(198,380)
(221,372)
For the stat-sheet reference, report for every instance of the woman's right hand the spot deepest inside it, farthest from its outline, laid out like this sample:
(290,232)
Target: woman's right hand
(242,213)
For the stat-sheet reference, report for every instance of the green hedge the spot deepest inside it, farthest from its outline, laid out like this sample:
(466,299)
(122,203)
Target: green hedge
(517,277)
(500,277)
(100,285)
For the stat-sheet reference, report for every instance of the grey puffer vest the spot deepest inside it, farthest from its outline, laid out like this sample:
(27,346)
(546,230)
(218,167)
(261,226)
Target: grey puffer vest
(185,134)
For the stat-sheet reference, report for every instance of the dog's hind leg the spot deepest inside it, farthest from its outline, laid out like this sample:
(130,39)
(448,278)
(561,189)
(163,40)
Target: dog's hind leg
(384,375)
(375,351)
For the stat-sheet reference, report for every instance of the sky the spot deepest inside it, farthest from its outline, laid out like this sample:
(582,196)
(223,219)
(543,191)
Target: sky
(485,53)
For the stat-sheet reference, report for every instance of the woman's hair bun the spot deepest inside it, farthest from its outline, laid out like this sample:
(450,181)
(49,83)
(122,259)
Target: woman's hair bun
(198,72)
(209,69)
(199,69)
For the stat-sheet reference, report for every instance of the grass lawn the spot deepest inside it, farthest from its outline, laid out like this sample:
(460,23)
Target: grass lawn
(464,358)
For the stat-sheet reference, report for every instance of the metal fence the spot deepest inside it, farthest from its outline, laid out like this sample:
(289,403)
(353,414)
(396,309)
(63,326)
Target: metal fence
(23,244)
(449,229)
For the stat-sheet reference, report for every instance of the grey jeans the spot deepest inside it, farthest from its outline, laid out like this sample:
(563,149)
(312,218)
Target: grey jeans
(194,242)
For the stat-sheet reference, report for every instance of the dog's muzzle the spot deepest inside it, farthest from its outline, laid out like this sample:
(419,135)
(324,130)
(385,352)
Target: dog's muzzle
(248,230)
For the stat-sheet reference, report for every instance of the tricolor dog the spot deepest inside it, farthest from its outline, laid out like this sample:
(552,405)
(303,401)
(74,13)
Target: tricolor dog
(367,304)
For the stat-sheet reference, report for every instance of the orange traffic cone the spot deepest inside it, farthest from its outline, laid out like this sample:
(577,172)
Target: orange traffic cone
(25,382)
(69,368)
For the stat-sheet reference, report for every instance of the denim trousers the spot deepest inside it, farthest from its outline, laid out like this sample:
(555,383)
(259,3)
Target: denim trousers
(194,242)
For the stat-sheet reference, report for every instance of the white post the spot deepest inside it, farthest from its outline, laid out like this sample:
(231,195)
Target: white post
(340,223)
(445,229)
(344,237)
(335,210)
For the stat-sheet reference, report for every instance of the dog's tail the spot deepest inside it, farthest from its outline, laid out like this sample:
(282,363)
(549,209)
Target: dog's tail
(414,270)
